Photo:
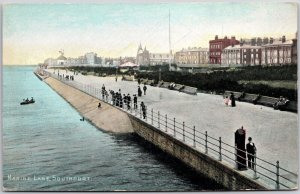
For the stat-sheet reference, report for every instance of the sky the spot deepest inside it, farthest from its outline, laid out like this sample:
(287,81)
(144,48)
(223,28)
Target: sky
(34,32)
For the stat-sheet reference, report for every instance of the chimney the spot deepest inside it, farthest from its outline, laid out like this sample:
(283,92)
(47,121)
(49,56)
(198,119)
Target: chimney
(225,37)
(216,37)
(232,37)
(271,40)
(283,39)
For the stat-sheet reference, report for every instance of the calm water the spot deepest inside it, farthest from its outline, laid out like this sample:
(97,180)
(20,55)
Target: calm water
(46,147)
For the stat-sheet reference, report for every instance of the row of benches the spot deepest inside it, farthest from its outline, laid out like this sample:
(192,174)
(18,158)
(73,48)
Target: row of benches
(171,86)
(262,100)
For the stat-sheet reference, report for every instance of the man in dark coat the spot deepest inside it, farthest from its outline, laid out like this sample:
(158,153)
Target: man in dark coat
(251,150)
(139,91)
(240,137)
(145,88)
(232,99)
(143,107)
(134,101)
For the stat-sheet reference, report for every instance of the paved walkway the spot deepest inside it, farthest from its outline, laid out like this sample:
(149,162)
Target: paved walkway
(275,133)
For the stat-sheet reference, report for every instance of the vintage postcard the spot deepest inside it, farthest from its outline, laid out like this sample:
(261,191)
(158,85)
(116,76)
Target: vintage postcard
(170,96)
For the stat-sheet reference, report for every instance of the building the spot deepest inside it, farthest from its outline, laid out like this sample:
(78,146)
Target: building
(242,54)
(142,56)
(145,58)
(192,56)
(278,52)
(92,58)
(160,58)
(217,45)
(50,62)
(61,60)
(294,49)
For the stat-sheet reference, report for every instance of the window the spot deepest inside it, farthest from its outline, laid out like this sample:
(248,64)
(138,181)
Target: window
(256,55)
(244,50)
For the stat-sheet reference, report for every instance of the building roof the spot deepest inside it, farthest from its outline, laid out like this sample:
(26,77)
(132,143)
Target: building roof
(238,46)
(194,49)
(61,57)
(278,43)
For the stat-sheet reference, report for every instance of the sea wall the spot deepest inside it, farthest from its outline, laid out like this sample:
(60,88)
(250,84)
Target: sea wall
(107,117)
(200,162)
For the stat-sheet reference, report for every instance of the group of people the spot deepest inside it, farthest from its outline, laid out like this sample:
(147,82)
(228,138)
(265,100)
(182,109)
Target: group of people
(67,77)
(241,150)
(122,100)
(140,91)
(230,101)
(27,100)
(281,103)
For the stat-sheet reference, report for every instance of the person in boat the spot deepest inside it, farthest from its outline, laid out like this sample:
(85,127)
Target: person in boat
(26,100)
(31,100)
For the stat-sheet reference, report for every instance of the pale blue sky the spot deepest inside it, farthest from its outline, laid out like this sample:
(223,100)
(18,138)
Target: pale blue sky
(33,32)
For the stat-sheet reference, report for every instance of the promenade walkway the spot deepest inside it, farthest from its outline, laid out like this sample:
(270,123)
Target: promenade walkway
(275,133)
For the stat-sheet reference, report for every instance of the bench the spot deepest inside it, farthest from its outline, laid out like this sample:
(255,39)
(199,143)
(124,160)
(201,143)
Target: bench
(237,95)
(143,81)
(291,106)
(189,90)
(127,78)
(160,83)
(165,85)
(267,101)
(179,87)
(150,82)
(252,98)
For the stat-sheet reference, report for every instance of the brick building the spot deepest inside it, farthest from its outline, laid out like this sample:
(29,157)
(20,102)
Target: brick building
(217,45)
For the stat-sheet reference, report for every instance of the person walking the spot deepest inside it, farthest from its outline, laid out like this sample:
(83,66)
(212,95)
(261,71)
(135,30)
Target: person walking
(128,101)
(145,88)
(139,91)
(240,137)
(251,150)
(143,107)
(232,99)
(134,101)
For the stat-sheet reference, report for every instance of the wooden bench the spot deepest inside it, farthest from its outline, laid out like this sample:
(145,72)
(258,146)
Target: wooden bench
(267,101)
(291,106)
(179,87)
(165,85)
(127,78)
(189,90)
(143,81)
(237,95)
(252,98)
(160,83)
(150,82)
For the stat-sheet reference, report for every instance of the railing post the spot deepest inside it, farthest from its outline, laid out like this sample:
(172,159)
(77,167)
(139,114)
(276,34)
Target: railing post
(158,120)
(140,112)
(206,148)
(137,109)
(254,165)
(220,149)
(235,150)
(166,122)
(151,116)
(146,113)
(183,132)
(130,107)
(174,128)
(194,134)
(277,175)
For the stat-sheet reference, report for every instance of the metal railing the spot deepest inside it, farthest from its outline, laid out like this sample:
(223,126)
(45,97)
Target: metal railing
(197,139)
